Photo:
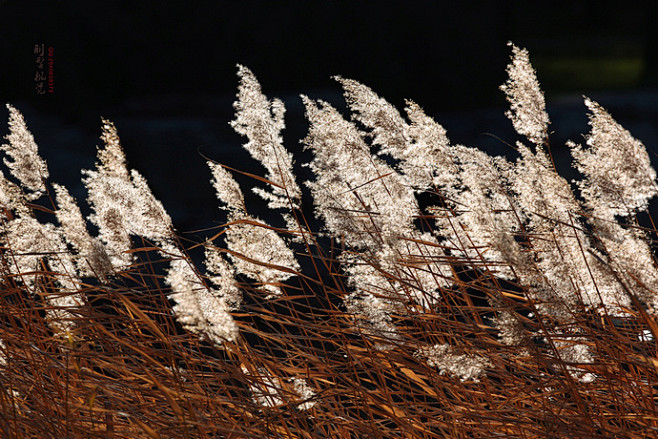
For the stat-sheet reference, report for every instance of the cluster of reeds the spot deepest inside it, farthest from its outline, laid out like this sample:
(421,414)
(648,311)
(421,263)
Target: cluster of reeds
(447,294)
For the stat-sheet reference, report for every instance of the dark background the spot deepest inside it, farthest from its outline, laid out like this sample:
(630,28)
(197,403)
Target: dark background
(164,72)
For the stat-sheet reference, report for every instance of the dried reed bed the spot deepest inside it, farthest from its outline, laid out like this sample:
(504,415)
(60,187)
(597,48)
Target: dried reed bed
(129,370)
(480,353)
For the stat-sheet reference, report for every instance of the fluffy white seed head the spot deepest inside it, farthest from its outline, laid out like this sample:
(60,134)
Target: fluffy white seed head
(12,198)
(388,128)
(619,179)
(111,156)
(261,121)
(483,215)
(466,367)
(527,104)
(421,148)
(198,309)
(148,217)
(227,189)
(268,390)
(360,198)
(122,202)
(222,275)
(24,161)
(90,256)
(255,249)
(427,160)
(260,253)
(35,250)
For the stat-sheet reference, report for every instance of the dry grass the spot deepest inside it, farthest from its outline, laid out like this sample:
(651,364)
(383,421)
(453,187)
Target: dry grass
(129,370)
